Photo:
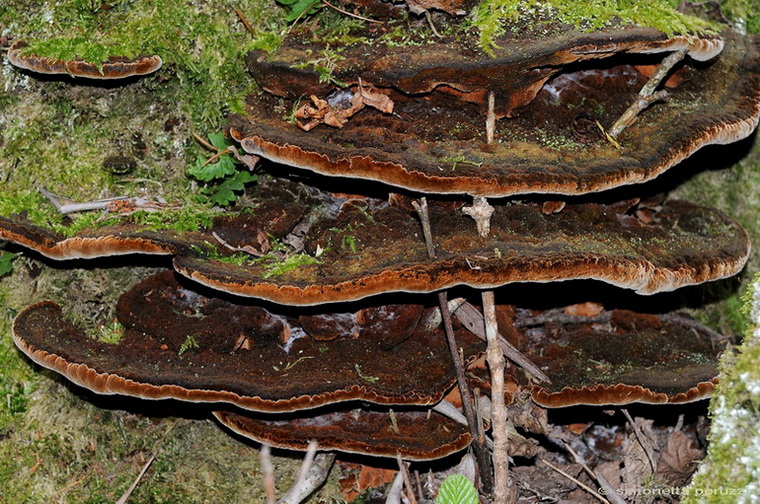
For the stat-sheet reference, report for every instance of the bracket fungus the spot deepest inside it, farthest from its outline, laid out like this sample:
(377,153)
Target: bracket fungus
(239,354)
(433,142)
(116,67)
(621,357)
(414,435)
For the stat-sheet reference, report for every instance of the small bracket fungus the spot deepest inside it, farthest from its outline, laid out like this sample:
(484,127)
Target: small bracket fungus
(415,435)
(630,358)
(116,67)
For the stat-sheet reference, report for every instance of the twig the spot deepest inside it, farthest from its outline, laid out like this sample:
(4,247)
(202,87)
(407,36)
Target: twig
(265,456)
(479,440)
(204,142)
(118,203)
(314,471)
(574,480)
(407,480)
(640,438)
(303,13)
(125,495)
(647,94)
(496,364)
(472,319)
(561,318)
(610,492)
(422,211)
(429,19)
(247,248)
(245,21)
(420,496)
(351,14)
(693,324)
(491,118)
(394,494)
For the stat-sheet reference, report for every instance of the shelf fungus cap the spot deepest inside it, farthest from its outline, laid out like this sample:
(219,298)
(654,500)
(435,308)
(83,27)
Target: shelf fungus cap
(435,143)
(687,245)
(182,345)
(273,220)
(414,435)
(631,358)
(116,67)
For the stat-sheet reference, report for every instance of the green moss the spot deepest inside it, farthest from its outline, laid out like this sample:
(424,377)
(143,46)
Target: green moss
(290,263)
(744,13)
(78,48)
(491,17)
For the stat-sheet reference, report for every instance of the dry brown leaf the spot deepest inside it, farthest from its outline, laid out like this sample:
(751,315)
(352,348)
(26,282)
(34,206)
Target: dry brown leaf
(337,114)
(371,97)
(637,469)
(453,7)
(678,460)
(588,309)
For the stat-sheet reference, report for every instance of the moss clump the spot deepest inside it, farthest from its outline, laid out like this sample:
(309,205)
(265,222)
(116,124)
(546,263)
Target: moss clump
(78,48)
(732,471)
(492,16)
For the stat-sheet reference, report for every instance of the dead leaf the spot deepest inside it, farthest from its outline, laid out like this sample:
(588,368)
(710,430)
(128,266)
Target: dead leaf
(637,469)
(678,460)
(338,108)
(588,309)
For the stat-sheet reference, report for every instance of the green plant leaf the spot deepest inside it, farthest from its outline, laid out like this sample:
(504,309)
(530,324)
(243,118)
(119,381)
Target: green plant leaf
(300,8)
(223,194)
(6,262)
(457,489)
(223,167)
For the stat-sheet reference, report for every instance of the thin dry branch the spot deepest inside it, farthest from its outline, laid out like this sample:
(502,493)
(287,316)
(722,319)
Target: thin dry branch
(496,364)
(472,319)
(479,439)
(640,438)
(647,94)
(314,471)
(574,480)
(265,456)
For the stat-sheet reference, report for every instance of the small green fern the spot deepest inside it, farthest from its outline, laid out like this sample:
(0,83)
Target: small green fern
(457,489)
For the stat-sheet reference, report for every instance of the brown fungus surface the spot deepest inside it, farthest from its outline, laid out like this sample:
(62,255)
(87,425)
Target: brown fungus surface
(687,244)
(516,72)
(116,67)
(436,143)
(183,345)
(621,358)
(271,218)
(414,435)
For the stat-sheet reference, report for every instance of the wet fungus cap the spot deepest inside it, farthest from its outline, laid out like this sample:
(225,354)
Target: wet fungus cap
(517,70)
(434,142)
(687,245)
(414,435)
(115,67)
(183,345)
(622,357)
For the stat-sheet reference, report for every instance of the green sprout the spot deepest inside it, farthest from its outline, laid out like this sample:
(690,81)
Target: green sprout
(190,342)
